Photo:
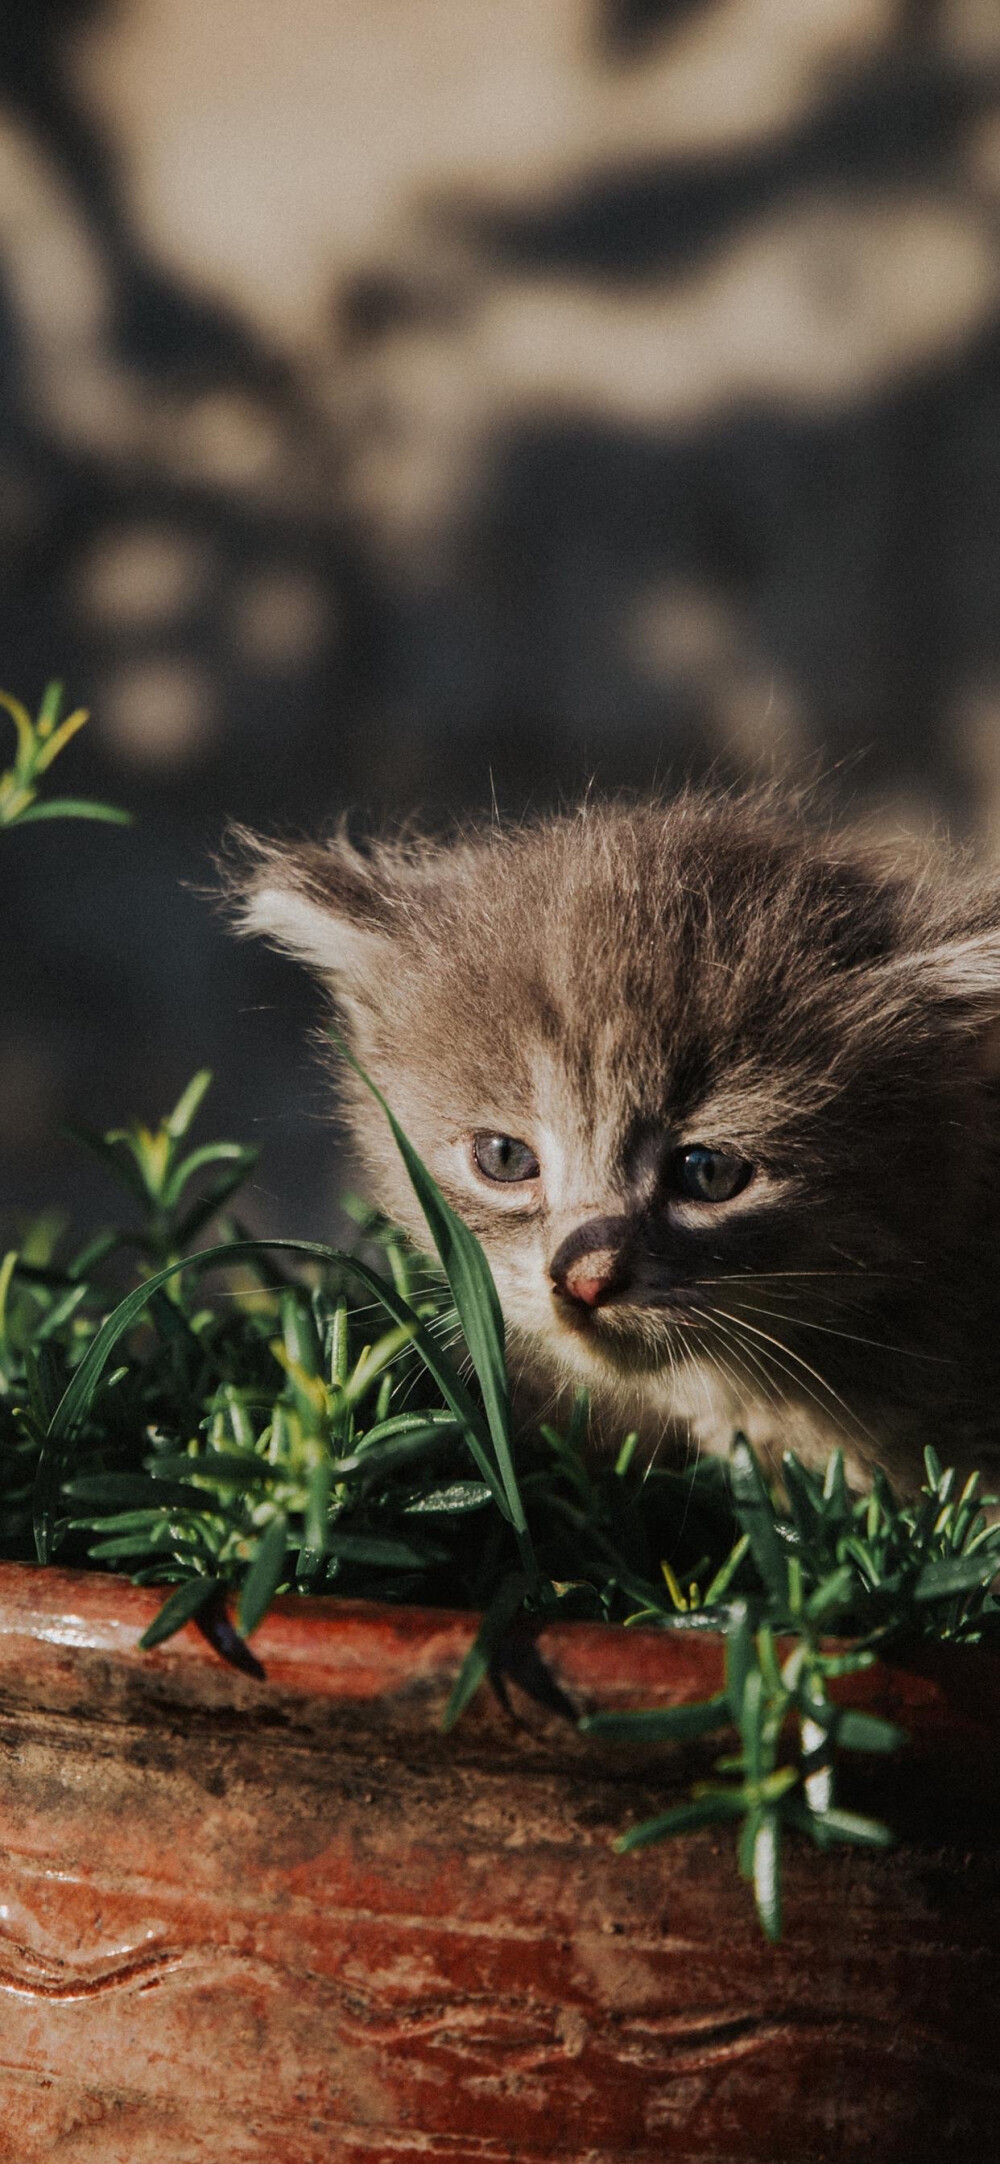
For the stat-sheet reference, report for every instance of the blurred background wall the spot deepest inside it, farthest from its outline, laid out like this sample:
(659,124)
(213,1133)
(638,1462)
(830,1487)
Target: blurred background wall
(404,401)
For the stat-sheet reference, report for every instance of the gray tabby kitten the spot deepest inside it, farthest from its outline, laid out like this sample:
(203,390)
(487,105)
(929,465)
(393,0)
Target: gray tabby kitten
(717,1094)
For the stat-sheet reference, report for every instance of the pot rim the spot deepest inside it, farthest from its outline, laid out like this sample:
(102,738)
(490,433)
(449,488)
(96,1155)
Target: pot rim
(73,1635)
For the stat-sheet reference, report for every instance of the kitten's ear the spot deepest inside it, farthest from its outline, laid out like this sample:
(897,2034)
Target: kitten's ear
(325,903)
(962,976)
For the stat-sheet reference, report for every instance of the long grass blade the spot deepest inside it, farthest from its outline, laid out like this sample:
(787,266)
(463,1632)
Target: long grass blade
(474,1292)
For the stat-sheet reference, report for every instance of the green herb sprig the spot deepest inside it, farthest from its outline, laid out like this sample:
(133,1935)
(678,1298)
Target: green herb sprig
(38,744)
(870,1567)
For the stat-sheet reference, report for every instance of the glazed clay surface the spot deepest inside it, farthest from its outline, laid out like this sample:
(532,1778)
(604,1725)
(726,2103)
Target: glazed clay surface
(288,1921)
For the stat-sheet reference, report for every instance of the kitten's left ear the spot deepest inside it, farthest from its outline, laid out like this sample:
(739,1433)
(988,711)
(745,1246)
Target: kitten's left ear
(961,976)
(330,906)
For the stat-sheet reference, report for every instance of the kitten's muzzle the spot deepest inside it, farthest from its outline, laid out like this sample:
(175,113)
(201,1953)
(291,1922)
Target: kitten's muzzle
(590,1264)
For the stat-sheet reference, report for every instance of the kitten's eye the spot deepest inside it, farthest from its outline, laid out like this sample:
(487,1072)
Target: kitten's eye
(702,1175)
(502,1157)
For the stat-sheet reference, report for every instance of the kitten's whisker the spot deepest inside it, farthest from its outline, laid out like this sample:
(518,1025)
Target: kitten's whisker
(711,1353)
(771,1394)
(758,1378)
(841,1289)
(840,1296)
(702,1379)
(736,1377)
(743,1277)
(672,1371)
(852,1337)
(677,1358)
(717,1319)
(446,1327)
(799,1362)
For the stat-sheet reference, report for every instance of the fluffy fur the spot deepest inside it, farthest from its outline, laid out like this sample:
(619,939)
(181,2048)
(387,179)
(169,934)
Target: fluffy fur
(615,985)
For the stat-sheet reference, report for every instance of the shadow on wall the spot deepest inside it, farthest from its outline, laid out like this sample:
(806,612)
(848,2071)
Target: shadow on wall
(396,406)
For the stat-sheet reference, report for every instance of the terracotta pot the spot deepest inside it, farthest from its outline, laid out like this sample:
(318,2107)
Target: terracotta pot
(289,1921)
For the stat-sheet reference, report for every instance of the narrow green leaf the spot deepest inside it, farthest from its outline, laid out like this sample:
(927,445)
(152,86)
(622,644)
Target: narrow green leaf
(847,1664)
(507,1602)
(751,1725)
(7,1268)
(836,1496)
(264,1576)
(140,1520)
(209,1203)
(707,1810)
(394,1453)
(767,1874)
(454,1498)
(60,1312)
(25,733)
(339,1350)
(723,1578)
(208,1153)
(300,1334)
(44,1374)
(956,1574)
(767,1656)
(837,1825)
(172,1327)
(803,1502)
(439,1426)
(835,1592)
(69,807)
(867,1732)
(124,1545)
(740,1660)
(747,1837)
(113,1151)
(136,1489)
(48,712)
(755,1511)
(238,1405)
(661,1724)
(318,1509)
(179,1120)
(932,1467)
(627,1452)
(184,1602)
(384,1554)
(222,1468)
(49,740)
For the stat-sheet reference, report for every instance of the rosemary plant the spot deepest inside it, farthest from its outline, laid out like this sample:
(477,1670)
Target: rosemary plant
(232,1427)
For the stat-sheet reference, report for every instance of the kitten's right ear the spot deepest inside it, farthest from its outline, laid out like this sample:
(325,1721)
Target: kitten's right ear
(325,903)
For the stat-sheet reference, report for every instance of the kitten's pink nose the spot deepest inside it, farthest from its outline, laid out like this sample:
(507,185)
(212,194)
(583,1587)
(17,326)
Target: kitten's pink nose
(591,1280)
(587,1267)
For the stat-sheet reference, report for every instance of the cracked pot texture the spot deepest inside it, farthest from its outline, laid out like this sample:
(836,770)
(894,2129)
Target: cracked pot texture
(290,1921)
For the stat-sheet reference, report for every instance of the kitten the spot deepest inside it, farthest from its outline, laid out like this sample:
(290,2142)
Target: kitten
(717,1094)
